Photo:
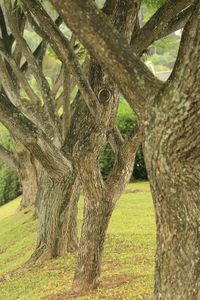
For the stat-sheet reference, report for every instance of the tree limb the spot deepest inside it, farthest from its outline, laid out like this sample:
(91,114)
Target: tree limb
(115,139)
(36,142)
(123,167)
(177,22)
(65,52)
(184,74)
(39,52)
(22,80)
(143,38)
(33,65)
(131,75)
(66,103)
(31,111)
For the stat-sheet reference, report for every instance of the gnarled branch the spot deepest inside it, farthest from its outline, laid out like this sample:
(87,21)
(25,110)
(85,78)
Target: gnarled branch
(65,52)
(56,164)
(143,38)
(132,76)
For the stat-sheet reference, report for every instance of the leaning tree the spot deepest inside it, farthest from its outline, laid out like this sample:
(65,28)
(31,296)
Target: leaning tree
(169,118)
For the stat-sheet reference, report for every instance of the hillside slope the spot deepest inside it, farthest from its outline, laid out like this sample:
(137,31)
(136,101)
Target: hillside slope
(127,271)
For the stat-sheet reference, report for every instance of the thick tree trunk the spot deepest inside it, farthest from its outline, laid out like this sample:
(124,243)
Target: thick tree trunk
(28,173)
(54,198)
(96,219)
(172,160)
(178,239)
(174,181)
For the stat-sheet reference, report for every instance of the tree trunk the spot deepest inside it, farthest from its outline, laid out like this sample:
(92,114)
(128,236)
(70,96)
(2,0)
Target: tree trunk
(100,197)
(68,242)
(172,160)
(178,239)
(95,224)
(54,198)
(174,181)
(28,173)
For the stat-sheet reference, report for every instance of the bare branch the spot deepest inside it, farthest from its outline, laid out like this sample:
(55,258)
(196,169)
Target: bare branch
(131,75)
(65,52)
(66,103)
(22,80)
(34,66)
(125,17)
(36,142)
(184,72)
(8,85)
(177,22)
(123,166)
(143,38)
(115,139)
(12,92)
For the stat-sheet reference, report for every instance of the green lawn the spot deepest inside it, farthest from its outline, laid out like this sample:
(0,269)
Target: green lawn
(128,263)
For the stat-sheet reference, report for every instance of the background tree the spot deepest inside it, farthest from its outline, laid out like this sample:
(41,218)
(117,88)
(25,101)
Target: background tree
(39,127)
(47,135)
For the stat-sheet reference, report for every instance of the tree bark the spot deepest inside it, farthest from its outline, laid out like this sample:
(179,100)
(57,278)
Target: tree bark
(172,158)
(175,190)
(53,201)
(28,173)
(68,242)
(96,219)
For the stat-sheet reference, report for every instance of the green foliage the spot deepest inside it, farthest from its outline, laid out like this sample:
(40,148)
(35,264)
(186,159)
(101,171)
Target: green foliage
(139,170)
(126,122)
(107,160)
(128,261)
(9,185)
(9,182)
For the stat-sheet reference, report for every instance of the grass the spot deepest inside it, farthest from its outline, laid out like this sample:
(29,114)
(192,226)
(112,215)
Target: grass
(128,262)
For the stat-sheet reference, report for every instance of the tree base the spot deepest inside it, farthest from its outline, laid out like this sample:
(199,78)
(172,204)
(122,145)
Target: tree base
(39,257)
(84,286)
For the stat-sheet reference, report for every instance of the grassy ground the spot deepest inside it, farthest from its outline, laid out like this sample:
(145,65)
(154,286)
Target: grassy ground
(128,263)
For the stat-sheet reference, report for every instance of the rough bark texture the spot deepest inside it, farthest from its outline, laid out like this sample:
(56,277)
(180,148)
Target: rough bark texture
(54,197)
(110,49)
(96,219)
(172,159)
(175,189)
(68,241)
(28,173)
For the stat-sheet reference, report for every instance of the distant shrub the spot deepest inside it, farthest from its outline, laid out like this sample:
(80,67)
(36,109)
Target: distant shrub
(9,182)
(9,185)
